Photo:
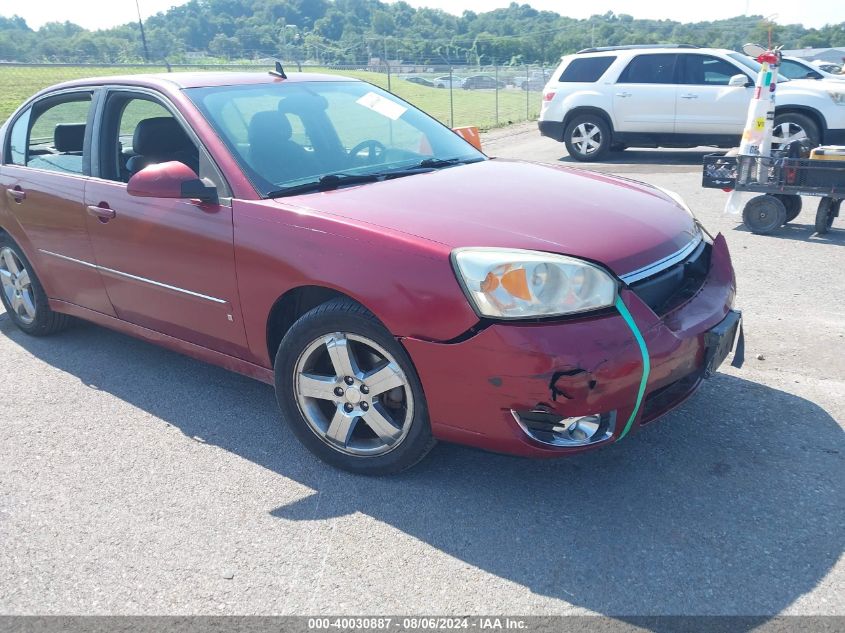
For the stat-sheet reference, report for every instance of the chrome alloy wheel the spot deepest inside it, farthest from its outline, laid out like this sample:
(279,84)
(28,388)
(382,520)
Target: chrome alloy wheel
(786,132)
(17,286)
(586,138)
(353,394)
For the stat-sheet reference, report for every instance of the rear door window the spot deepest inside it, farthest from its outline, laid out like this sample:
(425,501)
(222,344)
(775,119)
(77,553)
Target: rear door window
(56,136)
(586,69)
(658,68)
(18,139)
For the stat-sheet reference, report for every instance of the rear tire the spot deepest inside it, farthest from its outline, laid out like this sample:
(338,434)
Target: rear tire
(587,138)
(349,391)
(23,295)
(764,214)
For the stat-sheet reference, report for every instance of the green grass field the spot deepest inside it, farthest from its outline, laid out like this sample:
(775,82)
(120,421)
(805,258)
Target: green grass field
(470,107)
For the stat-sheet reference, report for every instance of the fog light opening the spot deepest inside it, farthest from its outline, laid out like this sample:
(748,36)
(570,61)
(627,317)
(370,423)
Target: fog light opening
(553,430)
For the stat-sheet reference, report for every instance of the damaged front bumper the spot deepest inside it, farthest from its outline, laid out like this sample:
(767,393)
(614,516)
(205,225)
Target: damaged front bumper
(546,389)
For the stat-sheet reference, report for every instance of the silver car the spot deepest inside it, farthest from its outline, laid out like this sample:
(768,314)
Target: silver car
(443,81)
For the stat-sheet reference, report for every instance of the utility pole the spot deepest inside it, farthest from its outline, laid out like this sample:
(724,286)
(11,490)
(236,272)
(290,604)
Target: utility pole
(284,34)
(143,36)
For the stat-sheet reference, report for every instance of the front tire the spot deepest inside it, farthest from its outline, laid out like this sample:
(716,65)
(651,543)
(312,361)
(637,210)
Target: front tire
(587,138)
(23,295)
(349,391)
(764,214)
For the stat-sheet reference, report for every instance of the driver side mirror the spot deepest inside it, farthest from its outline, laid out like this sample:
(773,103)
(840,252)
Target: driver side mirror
(170,180)
(740,81)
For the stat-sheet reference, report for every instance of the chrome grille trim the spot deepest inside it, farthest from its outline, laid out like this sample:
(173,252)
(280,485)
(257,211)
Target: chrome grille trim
(662,264)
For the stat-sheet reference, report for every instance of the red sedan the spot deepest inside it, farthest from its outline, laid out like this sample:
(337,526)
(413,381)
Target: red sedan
(394,284)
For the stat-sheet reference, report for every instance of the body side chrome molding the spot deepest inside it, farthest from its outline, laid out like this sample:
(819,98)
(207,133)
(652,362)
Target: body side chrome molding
(662,264)
(122,275)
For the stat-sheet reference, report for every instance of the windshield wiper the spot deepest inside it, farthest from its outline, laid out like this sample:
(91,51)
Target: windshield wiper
(435,163)
(333,181)
(325,183)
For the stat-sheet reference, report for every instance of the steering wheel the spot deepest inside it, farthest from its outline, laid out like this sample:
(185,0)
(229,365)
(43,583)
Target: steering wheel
(375,151)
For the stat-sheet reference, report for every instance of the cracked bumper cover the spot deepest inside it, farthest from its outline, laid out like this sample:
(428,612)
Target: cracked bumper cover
(571,368)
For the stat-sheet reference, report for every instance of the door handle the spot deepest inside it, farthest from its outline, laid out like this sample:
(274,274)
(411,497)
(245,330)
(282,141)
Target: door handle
(16,193)
(624,95)
(689,96)
(102,212)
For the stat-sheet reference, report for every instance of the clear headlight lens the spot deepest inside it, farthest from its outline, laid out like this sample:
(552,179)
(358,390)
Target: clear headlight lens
(520,284)
(838,97)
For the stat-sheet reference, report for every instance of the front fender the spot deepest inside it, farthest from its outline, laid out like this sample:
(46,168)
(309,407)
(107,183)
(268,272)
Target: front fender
(406,282)
(814,101)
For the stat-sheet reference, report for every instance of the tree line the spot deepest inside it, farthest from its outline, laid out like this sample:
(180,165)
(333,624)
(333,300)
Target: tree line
(354,31)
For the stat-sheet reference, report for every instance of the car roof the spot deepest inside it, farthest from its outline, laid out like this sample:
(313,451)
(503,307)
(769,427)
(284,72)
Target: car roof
(644,49)
(181,80)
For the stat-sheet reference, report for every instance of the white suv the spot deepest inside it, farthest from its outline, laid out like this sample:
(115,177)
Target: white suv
(605,99)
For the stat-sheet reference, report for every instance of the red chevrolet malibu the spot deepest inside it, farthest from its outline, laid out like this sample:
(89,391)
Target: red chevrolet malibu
(394,284)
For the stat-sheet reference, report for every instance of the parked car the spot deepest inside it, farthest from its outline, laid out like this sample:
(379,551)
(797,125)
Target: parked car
(536,80)
(603,99)
(321,235)
(797,68)
(443,81)
(476,82)
(422,81)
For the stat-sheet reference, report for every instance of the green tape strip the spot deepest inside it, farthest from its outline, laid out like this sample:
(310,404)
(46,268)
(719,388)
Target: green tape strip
(629,321)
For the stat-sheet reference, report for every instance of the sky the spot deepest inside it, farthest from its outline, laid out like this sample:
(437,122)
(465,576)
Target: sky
(95,14)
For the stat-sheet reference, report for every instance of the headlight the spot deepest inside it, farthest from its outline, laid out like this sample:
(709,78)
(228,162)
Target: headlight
(838,97)
(520,284)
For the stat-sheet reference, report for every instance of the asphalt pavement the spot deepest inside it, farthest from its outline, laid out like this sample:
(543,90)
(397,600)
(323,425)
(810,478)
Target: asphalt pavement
(137,481)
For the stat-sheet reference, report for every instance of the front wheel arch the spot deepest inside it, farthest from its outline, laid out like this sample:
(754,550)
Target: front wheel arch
(582,110)
(293,304)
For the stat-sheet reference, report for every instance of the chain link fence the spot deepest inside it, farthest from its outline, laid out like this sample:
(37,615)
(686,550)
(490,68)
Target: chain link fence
(483,96)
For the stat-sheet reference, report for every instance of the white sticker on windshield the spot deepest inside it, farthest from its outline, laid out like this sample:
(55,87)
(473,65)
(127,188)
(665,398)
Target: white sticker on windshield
(382,105)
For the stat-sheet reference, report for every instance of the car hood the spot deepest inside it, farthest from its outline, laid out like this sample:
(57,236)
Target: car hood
(623,224)
(825,83)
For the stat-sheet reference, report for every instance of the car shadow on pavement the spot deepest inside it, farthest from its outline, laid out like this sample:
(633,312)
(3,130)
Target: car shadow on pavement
(802,233)
(733,504)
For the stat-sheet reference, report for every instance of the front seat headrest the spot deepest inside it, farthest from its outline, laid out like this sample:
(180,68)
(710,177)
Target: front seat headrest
(159,136)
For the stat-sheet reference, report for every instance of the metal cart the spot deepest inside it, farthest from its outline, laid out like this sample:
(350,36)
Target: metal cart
(782,181)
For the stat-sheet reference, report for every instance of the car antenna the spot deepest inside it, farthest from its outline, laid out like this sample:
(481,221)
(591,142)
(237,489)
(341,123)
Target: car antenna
(279,72)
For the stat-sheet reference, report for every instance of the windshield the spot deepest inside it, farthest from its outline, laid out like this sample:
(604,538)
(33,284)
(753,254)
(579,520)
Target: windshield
(287,135)
(753,64)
